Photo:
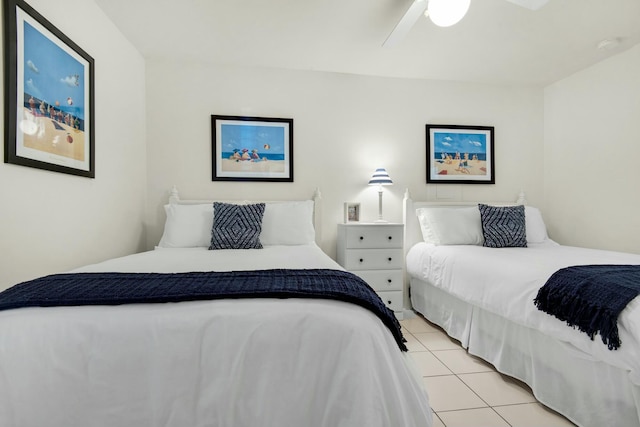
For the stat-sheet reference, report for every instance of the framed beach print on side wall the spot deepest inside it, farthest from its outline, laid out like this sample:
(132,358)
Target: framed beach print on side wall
(49,95)
(252,148)
(460,154)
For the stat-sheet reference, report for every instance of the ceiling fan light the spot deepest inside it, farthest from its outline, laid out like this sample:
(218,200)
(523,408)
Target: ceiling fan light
(445,13)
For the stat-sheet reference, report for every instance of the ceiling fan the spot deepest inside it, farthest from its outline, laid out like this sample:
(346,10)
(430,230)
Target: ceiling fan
(443,13)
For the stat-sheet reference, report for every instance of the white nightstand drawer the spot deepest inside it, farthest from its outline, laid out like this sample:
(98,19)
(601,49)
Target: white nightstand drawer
(375,253)
(372,259)
(374,236)
(392,299)
(382,280)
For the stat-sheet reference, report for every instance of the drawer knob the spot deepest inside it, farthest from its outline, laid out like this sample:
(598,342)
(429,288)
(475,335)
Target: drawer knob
(361,237)
(389,280)
(361,259)
(389,259)
(390,237)
(389,302)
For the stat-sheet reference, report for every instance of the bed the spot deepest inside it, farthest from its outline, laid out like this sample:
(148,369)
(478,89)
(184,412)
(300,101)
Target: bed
(484,298)
(267,360)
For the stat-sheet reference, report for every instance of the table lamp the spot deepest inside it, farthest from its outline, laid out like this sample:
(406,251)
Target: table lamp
(380,177)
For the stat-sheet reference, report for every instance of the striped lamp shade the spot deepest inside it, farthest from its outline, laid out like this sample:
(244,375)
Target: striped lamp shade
(380,177)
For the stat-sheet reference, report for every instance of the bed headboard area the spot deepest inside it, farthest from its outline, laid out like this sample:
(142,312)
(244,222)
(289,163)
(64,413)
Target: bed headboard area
(413,233)
(285,207)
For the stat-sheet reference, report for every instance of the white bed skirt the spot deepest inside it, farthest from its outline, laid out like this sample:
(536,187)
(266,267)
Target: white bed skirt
(588,392)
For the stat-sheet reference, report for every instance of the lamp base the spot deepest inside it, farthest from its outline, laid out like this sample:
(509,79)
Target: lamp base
(380,221)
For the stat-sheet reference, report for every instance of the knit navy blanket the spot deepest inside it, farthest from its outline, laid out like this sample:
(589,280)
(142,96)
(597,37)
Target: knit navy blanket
(72,289)
(590,297)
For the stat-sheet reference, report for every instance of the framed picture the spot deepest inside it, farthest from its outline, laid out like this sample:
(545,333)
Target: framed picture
(460,154)
(49,95)
(252,149)
(351,212)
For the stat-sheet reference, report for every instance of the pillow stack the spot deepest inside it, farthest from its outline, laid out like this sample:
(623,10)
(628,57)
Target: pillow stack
(238,226)
(484,225)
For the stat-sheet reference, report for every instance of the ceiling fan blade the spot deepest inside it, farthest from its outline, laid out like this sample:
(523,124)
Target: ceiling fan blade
(407,22)
(530,4)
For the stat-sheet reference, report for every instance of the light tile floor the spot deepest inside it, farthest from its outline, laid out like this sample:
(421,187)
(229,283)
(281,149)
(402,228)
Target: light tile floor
(467,391)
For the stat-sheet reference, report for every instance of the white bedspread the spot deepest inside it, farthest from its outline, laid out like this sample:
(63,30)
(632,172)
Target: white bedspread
(170,260)
(505,281)
(251,362)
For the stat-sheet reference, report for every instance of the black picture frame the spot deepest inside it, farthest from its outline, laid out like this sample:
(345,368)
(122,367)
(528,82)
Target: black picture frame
(458,154)
(49,95)
(251,148)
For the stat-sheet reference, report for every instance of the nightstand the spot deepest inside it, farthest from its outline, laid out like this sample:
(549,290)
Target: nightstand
(373,251)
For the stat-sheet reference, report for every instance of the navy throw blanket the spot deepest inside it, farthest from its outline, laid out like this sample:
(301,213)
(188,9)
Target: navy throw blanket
(73,289)
(590,297)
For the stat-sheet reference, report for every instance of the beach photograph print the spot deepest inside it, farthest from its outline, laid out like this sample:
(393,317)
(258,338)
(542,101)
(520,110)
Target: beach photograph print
(460,154)
(252,148)
(52,123)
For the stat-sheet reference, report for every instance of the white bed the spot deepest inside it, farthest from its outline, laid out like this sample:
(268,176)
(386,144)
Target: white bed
(483,297)
(228,362)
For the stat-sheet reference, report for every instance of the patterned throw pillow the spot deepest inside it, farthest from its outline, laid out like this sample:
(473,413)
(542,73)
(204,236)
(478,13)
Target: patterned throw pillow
(236,226)
(503,226)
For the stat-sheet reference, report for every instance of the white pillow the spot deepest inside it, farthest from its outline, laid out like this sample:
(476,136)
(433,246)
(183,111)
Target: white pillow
(536,230)
(451,226)
(187,226)
(288,223)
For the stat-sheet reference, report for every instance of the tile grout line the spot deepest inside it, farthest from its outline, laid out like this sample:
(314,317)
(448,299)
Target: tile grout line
(492,369)
(474,392)
(461,380)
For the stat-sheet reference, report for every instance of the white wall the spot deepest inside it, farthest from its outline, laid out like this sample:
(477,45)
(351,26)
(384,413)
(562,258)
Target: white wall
(344,127)
(592,155)
(52,222)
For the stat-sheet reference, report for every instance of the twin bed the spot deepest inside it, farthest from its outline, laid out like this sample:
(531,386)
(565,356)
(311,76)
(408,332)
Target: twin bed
(484,297)
(247,360)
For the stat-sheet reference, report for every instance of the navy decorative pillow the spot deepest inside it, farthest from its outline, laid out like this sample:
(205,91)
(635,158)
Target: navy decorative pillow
(503,226)
(236,226)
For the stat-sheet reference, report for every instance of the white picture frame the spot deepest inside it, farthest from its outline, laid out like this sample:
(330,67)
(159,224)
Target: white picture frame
(351,212)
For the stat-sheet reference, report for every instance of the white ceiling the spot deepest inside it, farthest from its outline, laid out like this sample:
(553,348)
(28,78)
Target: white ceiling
(497,42)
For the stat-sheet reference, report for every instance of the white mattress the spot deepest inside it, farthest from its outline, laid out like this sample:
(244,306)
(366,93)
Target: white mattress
(505,282)
(267,362)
